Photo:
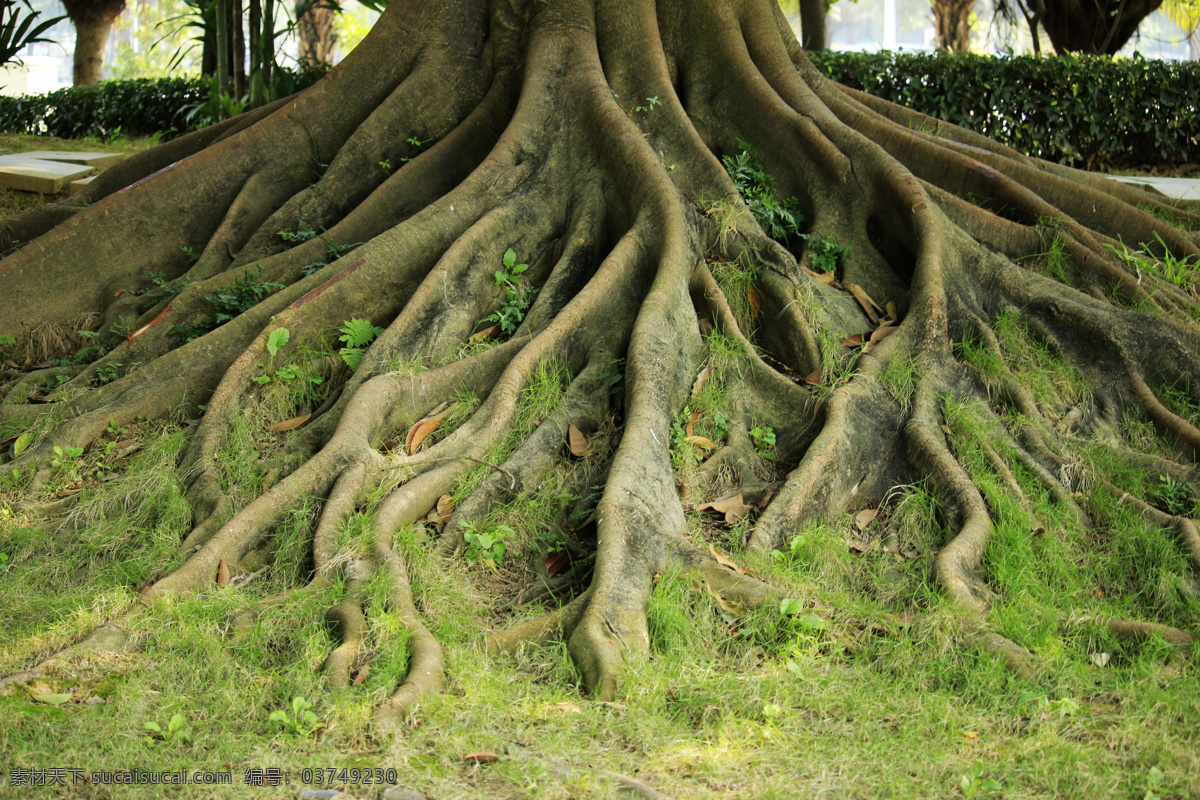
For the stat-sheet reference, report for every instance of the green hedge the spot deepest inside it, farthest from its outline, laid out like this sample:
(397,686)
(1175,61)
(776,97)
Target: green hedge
(140,107)
(1082,111)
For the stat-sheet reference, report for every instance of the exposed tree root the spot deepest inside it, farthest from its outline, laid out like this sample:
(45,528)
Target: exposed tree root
(586,136)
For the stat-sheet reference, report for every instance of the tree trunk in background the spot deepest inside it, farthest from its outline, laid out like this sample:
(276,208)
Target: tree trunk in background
(813,20)
(314,22)
(92,20)
(952,24)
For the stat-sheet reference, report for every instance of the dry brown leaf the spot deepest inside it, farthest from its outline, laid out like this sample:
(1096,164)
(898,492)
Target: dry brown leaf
(946,429)
(881,333)
(891,310)
(362,674)
(229,248)
(853,341)
(864,517)
(869,306)
(755,300)
(557,563)
(418,432)
(813,378)
(289,424)
(222,573)
(701,441)
(827,278)
(576,440)
(728,607)
(725,504)
(766,498)
(725,561)
(486,333)
(691,426)
(445,507)
(701,379)
(482,757)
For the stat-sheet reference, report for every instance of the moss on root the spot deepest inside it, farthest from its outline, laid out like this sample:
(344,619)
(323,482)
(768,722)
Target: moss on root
(985,338)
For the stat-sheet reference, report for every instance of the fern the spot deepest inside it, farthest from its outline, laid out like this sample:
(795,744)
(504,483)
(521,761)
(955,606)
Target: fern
(356,335)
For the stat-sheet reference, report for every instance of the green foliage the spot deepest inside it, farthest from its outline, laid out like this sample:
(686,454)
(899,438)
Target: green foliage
(1060,108)
(67,460)
(487,545)
(228,303)
(1172,496)
(301,721)
(778,218)
(17,28)
(173,731)
(973,784)
(828,254)
(302,234)
(356,335)
(764,441)
(141,107)
(615,377)
(518,295)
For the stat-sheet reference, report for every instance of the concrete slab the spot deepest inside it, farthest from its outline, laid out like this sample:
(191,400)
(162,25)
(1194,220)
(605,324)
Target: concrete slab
(90,159)
(36,175)
(1181,188)
(79,184)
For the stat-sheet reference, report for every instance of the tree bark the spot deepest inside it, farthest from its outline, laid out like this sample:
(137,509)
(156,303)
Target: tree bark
(318,38)
(814,15)
(952,24)
(92,21)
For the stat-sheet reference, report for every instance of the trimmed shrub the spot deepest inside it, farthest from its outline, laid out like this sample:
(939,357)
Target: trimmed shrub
(1081,111)
(139,107)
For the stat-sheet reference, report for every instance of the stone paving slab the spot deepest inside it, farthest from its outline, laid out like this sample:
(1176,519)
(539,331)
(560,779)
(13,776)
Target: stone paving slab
(89,158)
(37,175)
(79,184)
(1181,188)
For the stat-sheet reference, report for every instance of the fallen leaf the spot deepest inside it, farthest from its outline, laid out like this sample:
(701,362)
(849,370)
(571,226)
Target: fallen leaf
(229,248)
(482,757)
(576,440)
(418,432)
(725,561)
(725,504)
(971,735)
(222,573)
(755,300)
(570,708)
(868,305)
(827,278)
(946,429)
(690,428)
(557,563)
(363,672)
(1100,659)
(701,441)
(853,341)
(702,379)
(21,443)
(486,333)
(864,517)
(118,292)
(813,378)
(881,333)
(289,424)
(728,608)
(891,310)
(445,507)
(1039,530)
(52,699)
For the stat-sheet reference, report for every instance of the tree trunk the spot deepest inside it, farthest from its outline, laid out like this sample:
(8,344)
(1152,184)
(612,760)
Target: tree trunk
(315,24)
(952,24)
(533,202)
(814,15)
(1094,27)
(92,20)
